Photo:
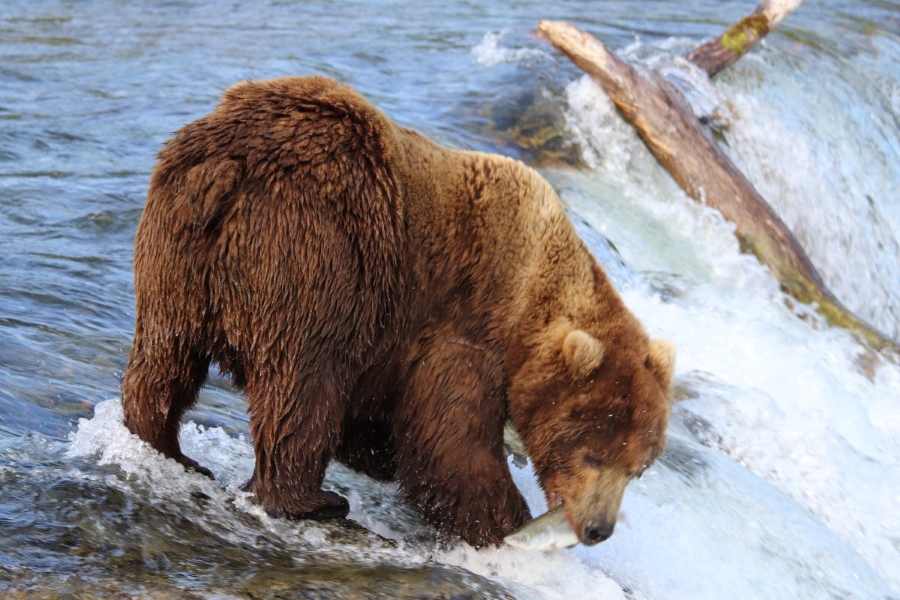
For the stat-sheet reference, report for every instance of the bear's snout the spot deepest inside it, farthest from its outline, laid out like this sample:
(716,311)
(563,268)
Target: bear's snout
(599,529)
(593,506)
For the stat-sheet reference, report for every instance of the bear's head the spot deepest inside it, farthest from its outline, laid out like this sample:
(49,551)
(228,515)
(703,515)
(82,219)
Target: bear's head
(592,416)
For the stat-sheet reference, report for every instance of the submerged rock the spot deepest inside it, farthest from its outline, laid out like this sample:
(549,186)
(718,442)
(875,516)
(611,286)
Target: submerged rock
(532,122)
(427,581)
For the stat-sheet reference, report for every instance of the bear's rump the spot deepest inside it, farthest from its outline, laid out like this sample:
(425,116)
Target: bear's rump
(293,239)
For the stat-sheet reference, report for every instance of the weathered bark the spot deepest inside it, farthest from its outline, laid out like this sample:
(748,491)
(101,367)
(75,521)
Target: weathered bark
(715,55)
(684,148)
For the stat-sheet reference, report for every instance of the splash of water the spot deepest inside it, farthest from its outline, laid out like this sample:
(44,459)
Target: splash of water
(489,52)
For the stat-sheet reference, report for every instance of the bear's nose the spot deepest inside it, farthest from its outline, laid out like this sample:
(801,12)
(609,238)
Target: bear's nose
(597,530)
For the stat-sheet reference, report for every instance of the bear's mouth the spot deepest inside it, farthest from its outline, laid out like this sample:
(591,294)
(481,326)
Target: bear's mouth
(554,501)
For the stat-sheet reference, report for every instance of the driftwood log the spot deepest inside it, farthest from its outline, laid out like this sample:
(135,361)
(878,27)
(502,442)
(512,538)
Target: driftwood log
(683,146)
(738,39)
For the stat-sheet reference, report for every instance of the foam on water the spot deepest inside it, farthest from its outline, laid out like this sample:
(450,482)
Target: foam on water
(231,513)
(489,52)
(830,173)
(792,406)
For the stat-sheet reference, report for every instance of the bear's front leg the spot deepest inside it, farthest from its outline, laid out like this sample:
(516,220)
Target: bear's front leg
(451,463)
(294,431)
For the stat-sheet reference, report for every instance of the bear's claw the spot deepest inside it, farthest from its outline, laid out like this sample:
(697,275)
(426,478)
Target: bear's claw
(190,465)
(337,507)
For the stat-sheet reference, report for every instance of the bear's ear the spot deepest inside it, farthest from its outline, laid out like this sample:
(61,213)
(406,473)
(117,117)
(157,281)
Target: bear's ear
(661,361)
(582,353)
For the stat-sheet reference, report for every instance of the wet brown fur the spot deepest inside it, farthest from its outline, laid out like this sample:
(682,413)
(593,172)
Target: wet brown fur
(385,302)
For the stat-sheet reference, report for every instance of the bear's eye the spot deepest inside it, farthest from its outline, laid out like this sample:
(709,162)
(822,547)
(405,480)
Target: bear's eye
(593,459)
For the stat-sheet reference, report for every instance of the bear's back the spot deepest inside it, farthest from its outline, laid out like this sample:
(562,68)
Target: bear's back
(291,130)
(287,184)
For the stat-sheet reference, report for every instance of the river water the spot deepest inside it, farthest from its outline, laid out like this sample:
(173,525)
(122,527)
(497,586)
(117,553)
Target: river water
(781,477)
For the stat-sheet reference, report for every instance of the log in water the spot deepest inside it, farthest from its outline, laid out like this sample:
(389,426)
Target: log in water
(678,140)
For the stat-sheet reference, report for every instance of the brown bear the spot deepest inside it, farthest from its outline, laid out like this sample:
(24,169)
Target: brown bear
(388,303)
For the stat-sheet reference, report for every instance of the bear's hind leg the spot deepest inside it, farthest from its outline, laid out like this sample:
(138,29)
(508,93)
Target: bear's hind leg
(294,431)
(451,464)
(161,383)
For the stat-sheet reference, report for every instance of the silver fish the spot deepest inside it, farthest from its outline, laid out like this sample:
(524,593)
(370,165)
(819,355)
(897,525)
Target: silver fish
(550,531)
